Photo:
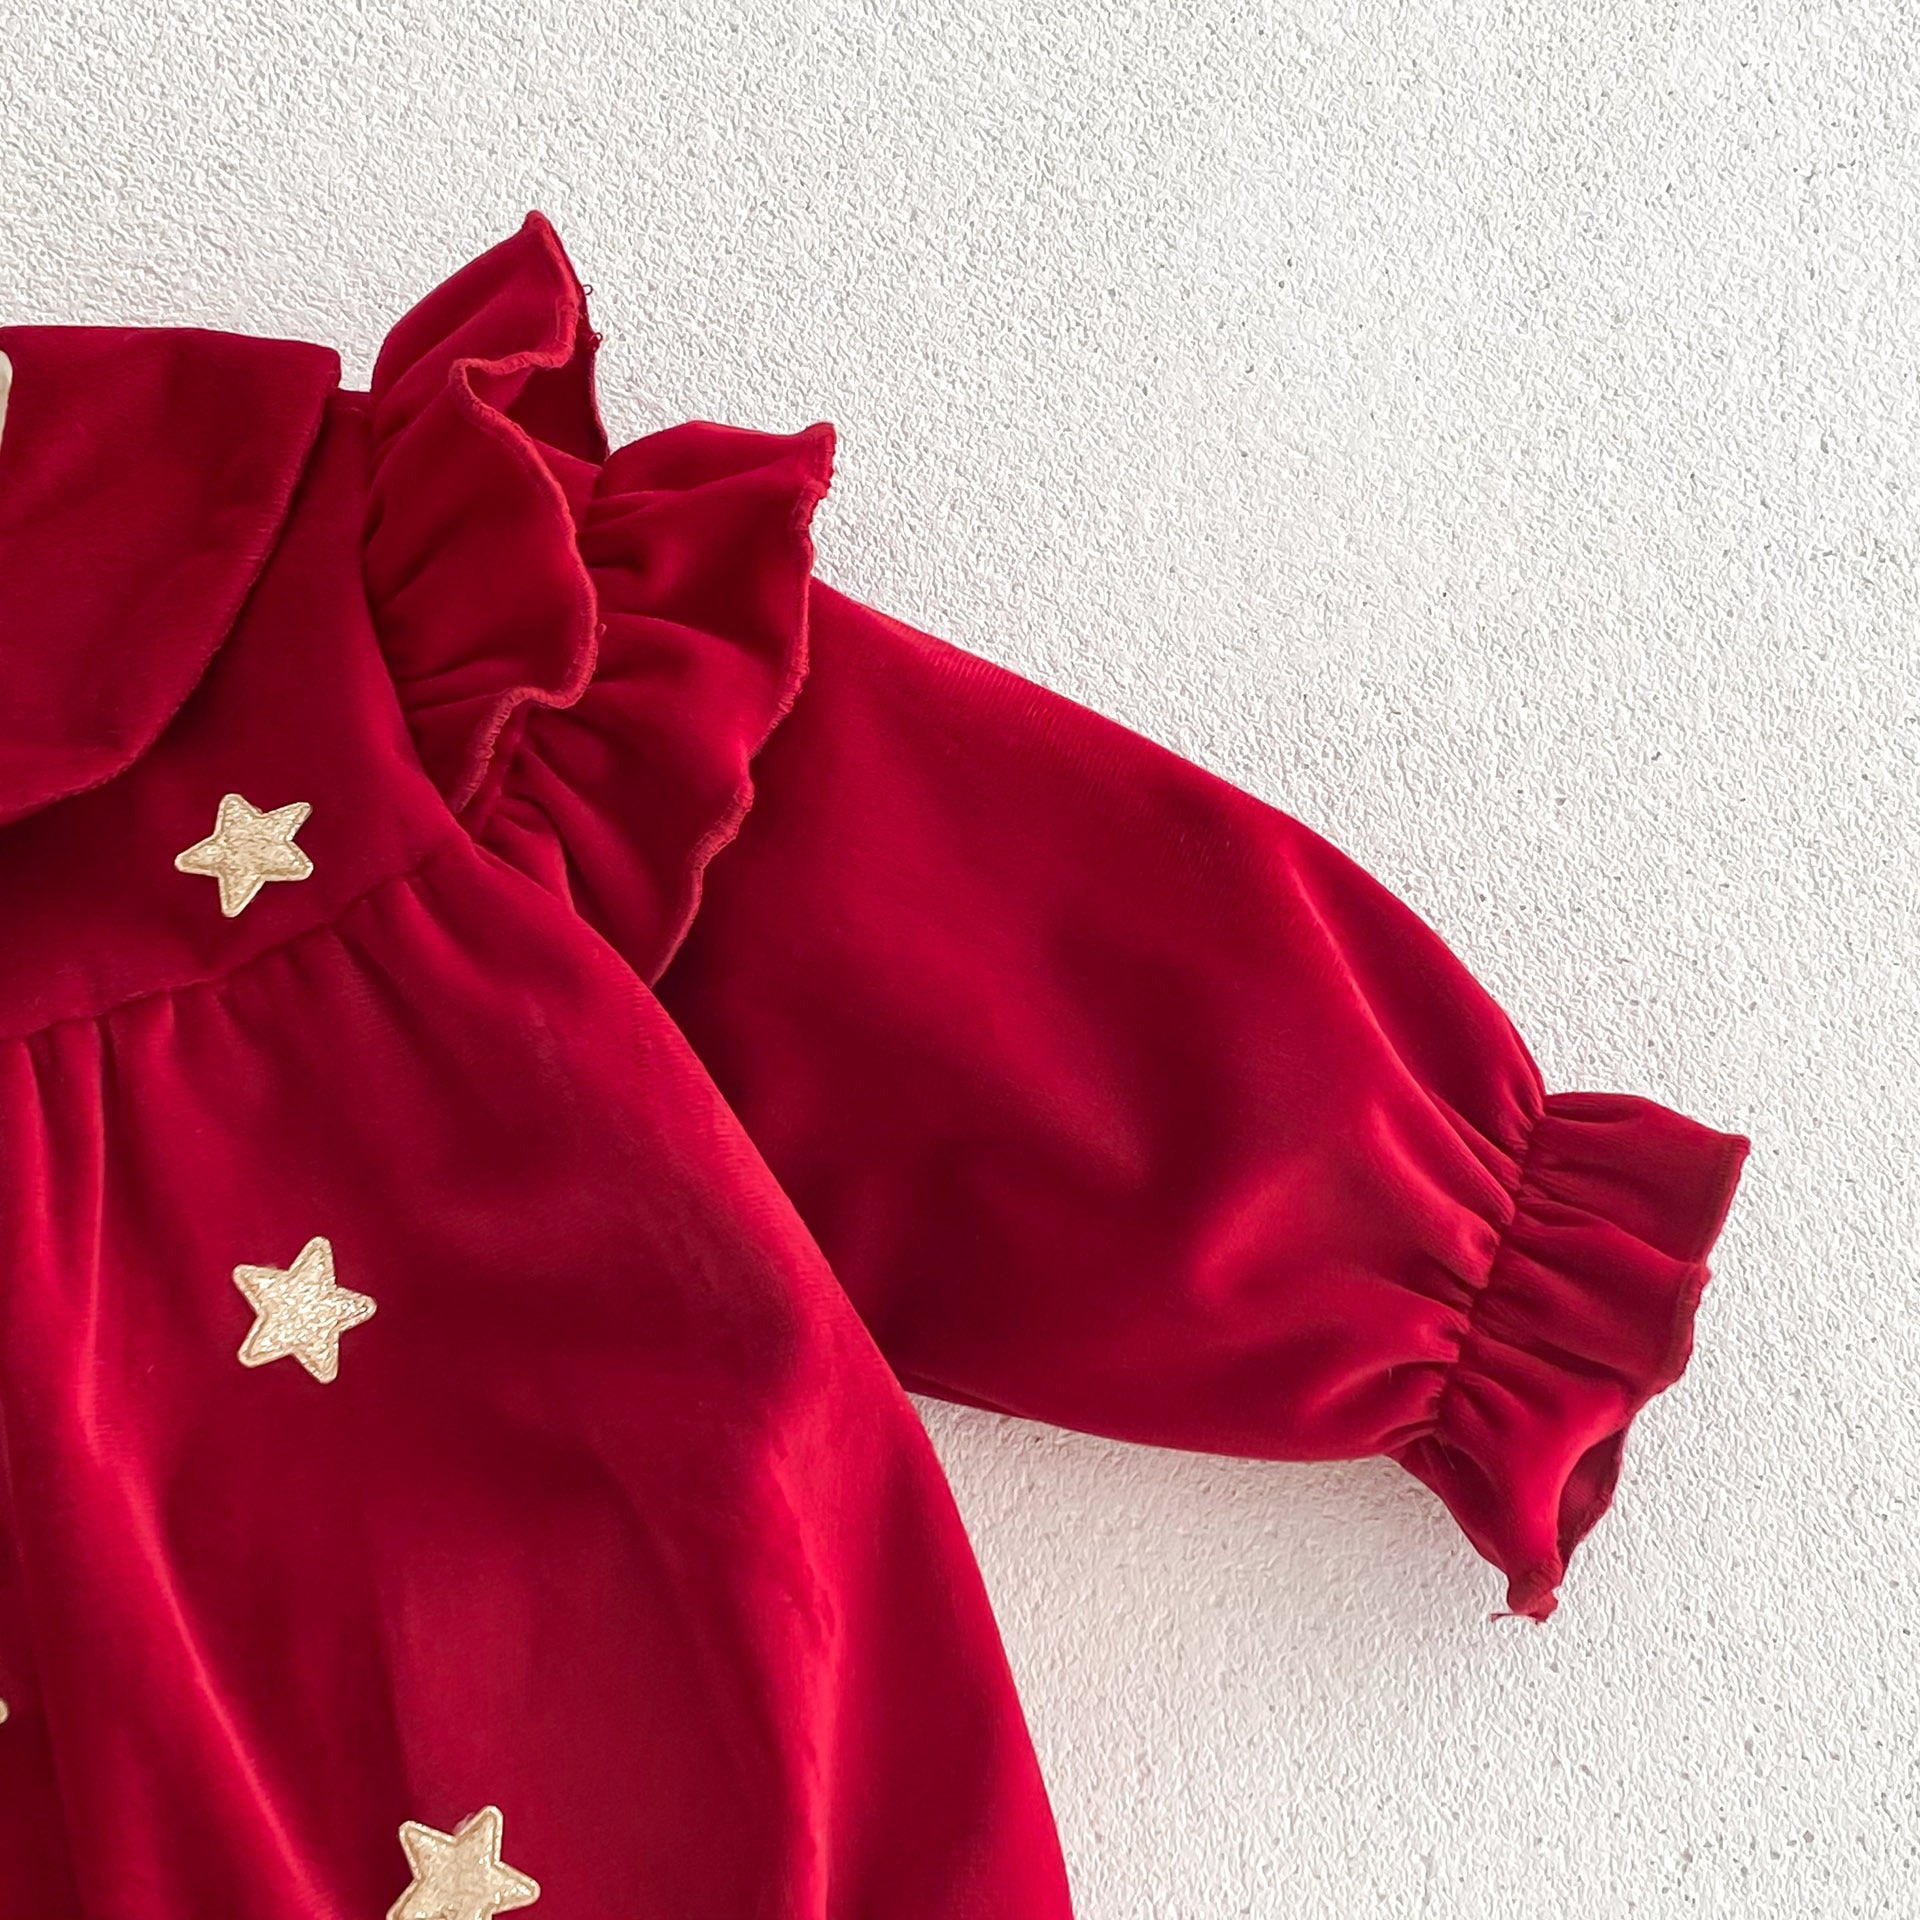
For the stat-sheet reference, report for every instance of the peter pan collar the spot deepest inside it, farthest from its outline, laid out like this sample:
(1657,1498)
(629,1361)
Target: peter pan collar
(144,477)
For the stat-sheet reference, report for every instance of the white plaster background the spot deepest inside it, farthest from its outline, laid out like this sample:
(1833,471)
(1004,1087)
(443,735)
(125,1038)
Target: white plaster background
(1489,432)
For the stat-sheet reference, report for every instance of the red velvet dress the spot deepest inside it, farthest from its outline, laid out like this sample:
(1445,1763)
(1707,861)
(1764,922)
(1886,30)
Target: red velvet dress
(471,1201)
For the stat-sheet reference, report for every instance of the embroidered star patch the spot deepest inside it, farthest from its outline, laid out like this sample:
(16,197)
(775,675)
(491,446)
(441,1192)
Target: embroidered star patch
(300,1310)
(247,848)
(459,1875)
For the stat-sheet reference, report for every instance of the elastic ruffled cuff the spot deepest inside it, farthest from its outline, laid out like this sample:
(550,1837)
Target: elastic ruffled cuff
(1586,1314)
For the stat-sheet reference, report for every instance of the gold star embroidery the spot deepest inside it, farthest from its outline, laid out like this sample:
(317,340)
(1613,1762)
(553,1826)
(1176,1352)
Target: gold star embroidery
(460,1875)
(300,1310)
(247,848)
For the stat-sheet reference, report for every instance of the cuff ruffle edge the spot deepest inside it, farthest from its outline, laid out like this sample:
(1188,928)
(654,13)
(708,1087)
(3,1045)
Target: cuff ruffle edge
(1586,1314)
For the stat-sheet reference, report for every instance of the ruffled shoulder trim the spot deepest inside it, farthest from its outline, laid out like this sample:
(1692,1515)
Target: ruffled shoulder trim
(590,647)
(145,475)
(486,437)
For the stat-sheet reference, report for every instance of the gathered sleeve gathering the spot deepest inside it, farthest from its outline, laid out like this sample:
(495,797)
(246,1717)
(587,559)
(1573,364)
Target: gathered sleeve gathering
(1119,1099)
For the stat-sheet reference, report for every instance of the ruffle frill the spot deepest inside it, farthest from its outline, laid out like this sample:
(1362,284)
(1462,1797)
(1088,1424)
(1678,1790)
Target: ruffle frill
(589,647)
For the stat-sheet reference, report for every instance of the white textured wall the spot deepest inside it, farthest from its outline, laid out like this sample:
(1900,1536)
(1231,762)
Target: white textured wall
(1491,435)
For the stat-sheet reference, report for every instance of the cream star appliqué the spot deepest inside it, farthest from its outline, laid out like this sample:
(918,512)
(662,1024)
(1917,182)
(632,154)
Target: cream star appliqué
(460,1875)
(300,1310)
(247,848)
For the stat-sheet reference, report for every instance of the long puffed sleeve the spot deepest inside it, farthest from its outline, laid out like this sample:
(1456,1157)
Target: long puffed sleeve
(1121,1100)
(1116,1097)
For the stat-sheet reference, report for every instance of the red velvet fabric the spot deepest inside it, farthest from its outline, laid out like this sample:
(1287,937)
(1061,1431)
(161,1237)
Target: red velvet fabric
(714,1005)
